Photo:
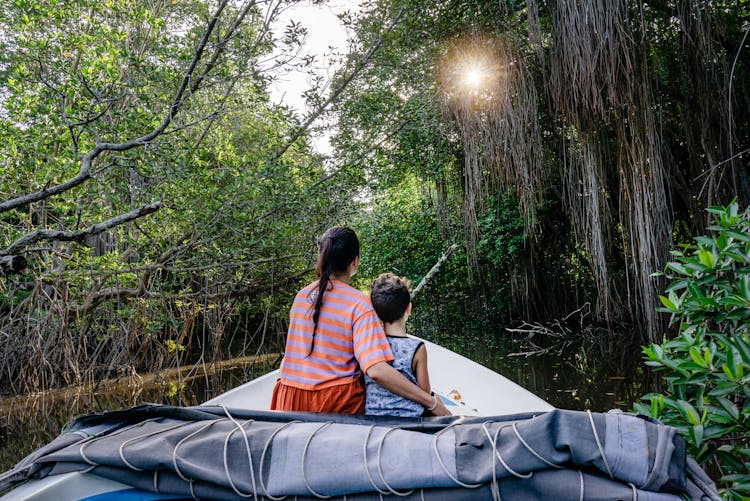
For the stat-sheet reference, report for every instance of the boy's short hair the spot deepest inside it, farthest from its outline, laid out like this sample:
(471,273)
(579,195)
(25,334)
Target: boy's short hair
(390,296)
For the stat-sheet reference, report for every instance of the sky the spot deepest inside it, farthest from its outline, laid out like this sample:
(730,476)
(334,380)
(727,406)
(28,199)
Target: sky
(324,29)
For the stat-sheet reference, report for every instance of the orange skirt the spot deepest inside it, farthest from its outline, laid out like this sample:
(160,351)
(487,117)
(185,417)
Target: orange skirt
(347,398)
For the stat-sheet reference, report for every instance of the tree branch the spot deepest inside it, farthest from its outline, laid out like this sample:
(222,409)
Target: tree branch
(78,236)
(433,271)
(189,82)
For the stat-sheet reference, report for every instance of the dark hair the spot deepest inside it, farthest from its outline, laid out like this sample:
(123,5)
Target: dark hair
(338,247)
(390,296)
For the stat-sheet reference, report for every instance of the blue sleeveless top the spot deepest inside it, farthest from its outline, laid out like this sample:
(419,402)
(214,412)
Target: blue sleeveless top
(381,402)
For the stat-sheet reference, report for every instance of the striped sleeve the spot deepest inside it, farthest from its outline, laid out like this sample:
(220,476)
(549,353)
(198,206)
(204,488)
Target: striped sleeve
(370,344)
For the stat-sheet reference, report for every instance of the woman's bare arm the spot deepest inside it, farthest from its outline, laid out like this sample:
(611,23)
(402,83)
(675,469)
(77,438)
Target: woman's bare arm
(392,380)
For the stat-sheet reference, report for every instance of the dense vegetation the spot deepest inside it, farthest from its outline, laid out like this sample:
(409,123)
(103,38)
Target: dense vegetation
(154,191)
(156,206)
(706,367)
(567,145)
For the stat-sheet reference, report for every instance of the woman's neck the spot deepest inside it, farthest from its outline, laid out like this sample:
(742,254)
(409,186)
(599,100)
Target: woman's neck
(341,277)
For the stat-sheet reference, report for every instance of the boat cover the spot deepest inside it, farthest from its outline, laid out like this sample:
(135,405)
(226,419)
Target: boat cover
(216,453)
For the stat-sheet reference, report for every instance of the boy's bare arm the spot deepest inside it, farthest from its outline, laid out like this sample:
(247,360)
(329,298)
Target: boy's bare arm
(419,366)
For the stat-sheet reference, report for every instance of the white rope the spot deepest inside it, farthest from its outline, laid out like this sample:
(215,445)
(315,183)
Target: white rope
(367,469)
(156,481)
(496,452)
(442,465)
(380,468)
(263,457)
(16,470)
(185,439)
(94,438)
(304,455)
(528,448)
(494,487)
(192,490)
(599,444)
(121,449)
(253,494)
(84,456)
(492,437)
(580,476)
(635,491)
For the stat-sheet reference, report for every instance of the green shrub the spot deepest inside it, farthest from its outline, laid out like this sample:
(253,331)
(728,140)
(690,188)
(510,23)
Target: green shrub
(706,368)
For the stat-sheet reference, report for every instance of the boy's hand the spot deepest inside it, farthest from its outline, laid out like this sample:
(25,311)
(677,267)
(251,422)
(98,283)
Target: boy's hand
(440,409)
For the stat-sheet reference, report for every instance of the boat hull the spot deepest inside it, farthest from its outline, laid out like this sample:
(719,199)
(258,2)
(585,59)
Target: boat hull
(466,388)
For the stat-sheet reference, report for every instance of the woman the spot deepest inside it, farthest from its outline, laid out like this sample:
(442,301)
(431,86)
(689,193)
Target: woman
(334,336)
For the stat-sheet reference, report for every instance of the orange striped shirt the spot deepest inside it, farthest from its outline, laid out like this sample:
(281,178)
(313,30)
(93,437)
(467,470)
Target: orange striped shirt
(349,338)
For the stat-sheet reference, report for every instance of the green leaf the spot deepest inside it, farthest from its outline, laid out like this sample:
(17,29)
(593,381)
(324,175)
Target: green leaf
(714,431)
(718,415)
(696,355)
(734,362)
(744,283)
(735,300)
(675,299)
(742,237)
(739,257)
(729,406)
(679,268)
(743,348)
(708,242)
(695,290)
(644,410)
(667,303)
(688,412)
(724,388)
(706,257)
(696,435)
(677,285)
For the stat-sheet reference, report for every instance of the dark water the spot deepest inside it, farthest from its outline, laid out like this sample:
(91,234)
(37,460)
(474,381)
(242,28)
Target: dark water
(588,375)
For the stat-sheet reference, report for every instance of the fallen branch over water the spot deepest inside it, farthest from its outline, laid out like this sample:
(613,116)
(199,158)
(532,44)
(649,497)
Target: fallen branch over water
(433,271)
(559,333)
(135,381)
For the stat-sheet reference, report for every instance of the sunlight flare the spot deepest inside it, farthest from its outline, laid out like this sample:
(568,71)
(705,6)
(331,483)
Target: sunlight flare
(471,68)
(473,77)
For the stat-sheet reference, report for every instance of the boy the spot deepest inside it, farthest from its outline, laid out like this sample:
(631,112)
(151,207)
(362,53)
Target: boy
(391,299)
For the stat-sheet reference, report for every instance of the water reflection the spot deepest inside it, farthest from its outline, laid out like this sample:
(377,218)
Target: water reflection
(585,376)
(27,423)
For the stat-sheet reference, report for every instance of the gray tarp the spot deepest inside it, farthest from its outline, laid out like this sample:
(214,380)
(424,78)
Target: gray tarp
(210,452)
